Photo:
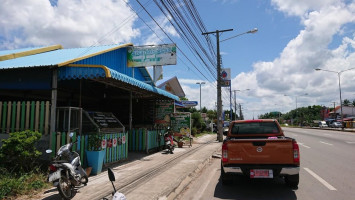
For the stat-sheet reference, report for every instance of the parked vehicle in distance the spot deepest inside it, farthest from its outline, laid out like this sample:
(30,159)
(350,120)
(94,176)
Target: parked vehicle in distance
(335,125)
(322,124)
(225,127)
(259,149)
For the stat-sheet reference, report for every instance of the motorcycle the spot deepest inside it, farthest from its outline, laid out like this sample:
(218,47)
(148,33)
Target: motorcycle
(115,195)
(169,141)
(65,171)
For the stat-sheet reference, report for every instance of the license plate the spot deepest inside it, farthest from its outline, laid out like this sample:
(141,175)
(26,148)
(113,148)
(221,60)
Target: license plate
(54,176)
(261,173)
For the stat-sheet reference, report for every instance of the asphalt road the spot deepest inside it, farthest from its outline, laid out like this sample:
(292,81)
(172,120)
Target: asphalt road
(327,172)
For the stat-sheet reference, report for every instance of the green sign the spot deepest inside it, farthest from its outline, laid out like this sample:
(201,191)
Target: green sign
(157,55)
(181,123)
(163,109)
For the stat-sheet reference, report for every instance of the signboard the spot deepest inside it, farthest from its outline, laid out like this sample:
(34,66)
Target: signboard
(189,104)
(225,83)
(226,77)
(105,119)
(142,56)
(226,74)
(181,123)
(163,109)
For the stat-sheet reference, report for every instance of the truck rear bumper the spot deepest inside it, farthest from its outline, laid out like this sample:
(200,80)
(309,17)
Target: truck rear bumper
(286,170)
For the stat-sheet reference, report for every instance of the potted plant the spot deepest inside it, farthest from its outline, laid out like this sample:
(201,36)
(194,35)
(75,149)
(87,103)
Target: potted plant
(180,141)
(95,153)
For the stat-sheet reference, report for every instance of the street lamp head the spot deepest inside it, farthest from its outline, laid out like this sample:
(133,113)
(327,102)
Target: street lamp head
(253,30)
(203,83)
(317,69)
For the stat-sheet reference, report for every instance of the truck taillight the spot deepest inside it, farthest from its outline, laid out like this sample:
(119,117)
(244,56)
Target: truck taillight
(296,152)
(224,152)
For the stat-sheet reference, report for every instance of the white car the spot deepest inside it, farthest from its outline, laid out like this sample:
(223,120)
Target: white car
(322,124)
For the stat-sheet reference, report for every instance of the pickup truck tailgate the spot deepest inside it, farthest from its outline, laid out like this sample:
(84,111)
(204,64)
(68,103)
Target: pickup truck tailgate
(260,151)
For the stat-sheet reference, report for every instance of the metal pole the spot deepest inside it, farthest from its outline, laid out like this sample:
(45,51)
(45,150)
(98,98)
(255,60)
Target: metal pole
(200,96)
(341,104)
(235,105)
(230,102)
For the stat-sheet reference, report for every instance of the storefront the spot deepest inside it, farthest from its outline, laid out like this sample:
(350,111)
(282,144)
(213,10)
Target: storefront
(36,82)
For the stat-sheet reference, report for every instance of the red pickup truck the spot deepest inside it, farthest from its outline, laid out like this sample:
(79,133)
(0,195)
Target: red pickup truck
(259,149)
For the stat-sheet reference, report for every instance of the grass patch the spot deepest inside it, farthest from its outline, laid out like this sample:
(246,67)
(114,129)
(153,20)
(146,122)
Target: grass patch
(12,185)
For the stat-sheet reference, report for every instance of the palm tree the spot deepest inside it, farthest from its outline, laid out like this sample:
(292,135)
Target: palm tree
(346,102)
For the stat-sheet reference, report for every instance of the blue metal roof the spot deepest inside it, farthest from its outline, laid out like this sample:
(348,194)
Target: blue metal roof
(118,76)
(96,72)
(59,57)
(63,58)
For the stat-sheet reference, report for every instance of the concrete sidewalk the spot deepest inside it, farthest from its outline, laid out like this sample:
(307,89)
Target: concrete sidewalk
(165,185)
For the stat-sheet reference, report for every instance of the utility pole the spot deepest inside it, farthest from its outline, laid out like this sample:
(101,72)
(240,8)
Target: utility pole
(235,105)
(219,96)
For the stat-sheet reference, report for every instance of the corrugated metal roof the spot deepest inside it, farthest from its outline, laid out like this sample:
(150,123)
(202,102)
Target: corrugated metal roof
(59,57)
(99,72)
(118,76)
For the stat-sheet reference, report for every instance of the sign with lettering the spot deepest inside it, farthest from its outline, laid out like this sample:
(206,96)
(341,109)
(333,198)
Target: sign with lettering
(155,55)
(163,110)
(105,119)
(181,123)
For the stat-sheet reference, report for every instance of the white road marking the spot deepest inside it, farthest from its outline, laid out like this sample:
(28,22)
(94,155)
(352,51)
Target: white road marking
(304,145)
(326,143)
(327,134)
(349,142)
(325,183)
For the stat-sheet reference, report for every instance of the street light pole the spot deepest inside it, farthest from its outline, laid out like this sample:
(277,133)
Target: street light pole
(219,96)
(235,101)
(341,102)
(200,83)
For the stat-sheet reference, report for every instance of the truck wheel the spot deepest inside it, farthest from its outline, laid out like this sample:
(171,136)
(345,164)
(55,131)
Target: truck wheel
(224,178)
(292,180)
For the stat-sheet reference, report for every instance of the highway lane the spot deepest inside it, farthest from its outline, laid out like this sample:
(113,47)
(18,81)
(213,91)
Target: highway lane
(327,172)
(327,162)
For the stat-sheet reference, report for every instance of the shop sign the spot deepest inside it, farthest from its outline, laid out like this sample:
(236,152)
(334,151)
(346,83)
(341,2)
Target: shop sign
(163,110)
(181,123)
(142,56)
(189,104)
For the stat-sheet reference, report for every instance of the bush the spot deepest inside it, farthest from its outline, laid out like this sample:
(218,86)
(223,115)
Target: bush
(194,131)
(13,184)
(18,153)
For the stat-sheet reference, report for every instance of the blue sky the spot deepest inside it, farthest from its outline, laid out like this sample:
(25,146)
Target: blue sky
(277,63)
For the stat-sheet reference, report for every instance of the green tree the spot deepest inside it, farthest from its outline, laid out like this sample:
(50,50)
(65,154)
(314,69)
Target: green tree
(18,153)
(353,103)
(346,102)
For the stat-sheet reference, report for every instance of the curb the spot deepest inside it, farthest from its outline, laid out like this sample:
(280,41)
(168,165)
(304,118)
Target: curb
(188,178)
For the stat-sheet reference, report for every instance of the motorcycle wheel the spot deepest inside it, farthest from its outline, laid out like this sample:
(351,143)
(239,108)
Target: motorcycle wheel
(64,187)
(84,180)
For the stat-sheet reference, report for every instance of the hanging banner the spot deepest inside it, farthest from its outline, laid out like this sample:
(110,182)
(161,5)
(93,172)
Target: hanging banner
(142,56)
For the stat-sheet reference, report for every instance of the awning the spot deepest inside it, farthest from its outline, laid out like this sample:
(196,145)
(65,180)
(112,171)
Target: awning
(109,76)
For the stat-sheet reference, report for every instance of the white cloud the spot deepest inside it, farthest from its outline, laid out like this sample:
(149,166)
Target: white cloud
(71,23)
(292,73)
